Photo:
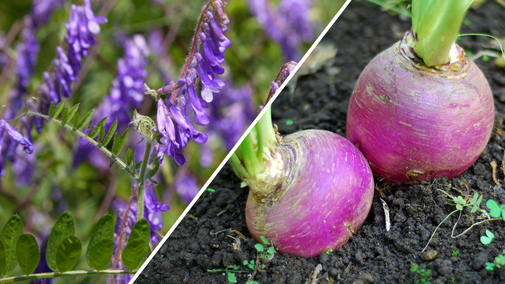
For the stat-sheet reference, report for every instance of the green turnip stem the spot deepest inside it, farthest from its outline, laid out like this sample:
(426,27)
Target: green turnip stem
(266,133)
(436,25)
(247,161)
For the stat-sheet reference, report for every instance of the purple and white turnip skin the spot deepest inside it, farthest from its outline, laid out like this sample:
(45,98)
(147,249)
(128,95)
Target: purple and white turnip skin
(413,122)
(313,197)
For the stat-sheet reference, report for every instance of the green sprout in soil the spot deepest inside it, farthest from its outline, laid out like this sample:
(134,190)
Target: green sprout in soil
(488,238)
(455,253)
(209,190)
(263,251)
(423,273)
(329,251)
(499,262)
(461,203)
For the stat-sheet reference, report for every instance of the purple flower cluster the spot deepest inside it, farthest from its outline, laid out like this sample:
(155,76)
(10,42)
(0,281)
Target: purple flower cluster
(42,10)
(127,92)
(204,62)
(8,145)
(288,26)
(81,28)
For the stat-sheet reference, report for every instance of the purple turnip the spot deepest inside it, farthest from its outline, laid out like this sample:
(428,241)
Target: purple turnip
(418,112)
(309,192)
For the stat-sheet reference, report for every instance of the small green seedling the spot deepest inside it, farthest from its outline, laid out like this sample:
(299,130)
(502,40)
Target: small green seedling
(329,251)
(499,262)
(249,264)
(488,238)
(423,273)
(496,210)
(209,190)
(455,253)
(263,251)
(289,122)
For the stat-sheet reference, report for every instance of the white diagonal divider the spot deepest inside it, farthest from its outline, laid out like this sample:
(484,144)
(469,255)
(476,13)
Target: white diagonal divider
(155,251)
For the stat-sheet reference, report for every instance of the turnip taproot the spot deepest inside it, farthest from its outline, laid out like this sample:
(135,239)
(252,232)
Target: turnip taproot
(422,108)
(309,192)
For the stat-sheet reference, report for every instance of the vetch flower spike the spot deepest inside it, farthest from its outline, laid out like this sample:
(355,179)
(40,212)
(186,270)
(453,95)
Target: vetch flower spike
(204,62)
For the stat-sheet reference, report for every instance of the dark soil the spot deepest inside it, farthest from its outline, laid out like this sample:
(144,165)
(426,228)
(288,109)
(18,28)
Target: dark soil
(203,240)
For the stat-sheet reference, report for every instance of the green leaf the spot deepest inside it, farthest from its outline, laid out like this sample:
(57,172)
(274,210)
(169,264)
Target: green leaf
(99,256)
(27,252)
(154,169)
(271,250)
(116,149)
(11,232)
(76,119)
(102,133)
(63,228)
(98,126)
(129,156)
(488,238)
(134,254)
(264,240)
(58,109)
(479,201)
(51,109)
(459,200)
(109,136)
(474,198)
(71,114)
(85,120)
(140,231)
(231,277)
(64,115)
(3,261)
(68,253)
(259,247)
(138,165)
(494,208)
(115,144)
(103,230)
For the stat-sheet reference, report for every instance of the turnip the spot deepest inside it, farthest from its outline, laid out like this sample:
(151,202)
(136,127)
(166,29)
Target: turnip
(422,109)
(309,192)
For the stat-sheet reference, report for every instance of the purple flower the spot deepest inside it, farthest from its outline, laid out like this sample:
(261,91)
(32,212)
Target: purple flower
(9,144)
(289,26)
(186,186)
(15,135)
(23,167)
(209,46)
(42,10)
(81,28)
(152,210)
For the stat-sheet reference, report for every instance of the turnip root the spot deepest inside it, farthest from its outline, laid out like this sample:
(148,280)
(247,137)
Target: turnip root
(413,122)
(313,196)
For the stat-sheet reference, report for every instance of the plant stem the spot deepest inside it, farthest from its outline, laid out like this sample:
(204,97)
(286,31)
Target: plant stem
(436,25)
(141,182)
(266,133)
(72,273)
(433,234)
(98,145)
